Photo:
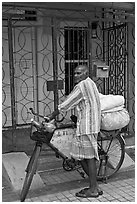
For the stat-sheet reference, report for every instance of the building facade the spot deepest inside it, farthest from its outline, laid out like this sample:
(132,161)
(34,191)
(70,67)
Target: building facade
(41,46)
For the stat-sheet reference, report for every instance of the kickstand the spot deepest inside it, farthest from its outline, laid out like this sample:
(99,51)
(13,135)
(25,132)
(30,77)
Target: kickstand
(103,169)
(82,174)
(105,172)
(105,180)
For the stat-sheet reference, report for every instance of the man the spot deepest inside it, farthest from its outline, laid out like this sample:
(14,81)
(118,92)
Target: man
(85,97)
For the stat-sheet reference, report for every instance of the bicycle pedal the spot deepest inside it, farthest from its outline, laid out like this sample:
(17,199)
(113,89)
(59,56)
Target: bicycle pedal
(82,174)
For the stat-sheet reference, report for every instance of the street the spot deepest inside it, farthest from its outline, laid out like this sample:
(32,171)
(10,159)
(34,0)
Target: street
(61,186)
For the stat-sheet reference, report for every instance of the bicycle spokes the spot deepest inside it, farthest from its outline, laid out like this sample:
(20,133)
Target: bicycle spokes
(111,154)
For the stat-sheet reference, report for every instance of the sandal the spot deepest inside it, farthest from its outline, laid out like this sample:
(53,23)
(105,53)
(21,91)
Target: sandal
(100,192)
(86,194)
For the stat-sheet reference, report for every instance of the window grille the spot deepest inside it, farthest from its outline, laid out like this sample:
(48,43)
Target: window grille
(75,53)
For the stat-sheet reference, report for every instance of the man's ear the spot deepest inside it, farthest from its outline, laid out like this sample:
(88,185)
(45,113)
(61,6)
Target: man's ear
(86,73)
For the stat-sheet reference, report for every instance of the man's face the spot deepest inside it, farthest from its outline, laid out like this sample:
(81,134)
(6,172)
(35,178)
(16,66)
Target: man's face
(79,75)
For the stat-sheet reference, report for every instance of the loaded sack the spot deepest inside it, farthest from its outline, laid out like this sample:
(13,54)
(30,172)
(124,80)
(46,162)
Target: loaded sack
(113,113)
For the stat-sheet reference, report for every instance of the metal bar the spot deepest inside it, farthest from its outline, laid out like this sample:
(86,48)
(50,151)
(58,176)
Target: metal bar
(78,44)
(108,60)
(56,150)
(128,65)
(55,67)
(116,60)
(126,74)
(69,54)
(36,71)
(11,66)
(90,49)
(73,48)
(12,85)
(104,57)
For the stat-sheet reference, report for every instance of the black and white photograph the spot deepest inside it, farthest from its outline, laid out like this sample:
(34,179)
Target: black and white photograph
(68,101)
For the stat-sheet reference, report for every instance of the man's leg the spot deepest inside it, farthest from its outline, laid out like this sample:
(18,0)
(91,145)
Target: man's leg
(84,164)
(89,165)
(92,175)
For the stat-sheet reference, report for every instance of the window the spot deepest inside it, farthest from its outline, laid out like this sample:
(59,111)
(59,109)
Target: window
(75,53)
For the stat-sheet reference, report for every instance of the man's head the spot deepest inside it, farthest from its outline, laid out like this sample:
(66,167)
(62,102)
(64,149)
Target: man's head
(81,73)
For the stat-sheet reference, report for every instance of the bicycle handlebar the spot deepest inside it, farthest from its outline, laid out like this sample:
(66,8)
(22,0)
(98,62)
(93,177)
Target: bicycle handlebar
(41,116)
(44,117)
(48,125)
(36,124)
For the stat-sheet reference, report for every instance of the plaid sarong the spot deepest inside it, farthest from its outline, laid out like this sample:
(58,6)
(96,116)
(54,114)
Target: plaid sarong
(85,97)
(84,147)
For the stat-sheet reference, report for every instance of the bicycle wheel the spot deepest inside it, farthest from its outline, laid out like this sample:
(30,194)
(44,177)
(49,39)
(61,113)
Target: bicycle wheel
(31,170)
(111,153)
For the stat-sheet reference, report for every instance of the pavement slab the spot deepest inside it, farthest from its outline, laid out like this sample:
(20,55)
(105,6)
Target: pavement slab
(120,188)
(61,186)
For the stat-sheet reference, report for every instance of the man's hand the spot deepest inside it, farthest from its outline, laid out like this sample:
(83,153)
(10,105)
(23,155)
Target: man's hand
(54,114)
(47,119)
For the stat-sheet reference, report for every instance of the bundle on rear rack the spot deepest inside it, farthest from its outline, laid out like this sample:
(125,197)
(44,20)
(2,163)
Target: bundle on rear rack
(113,113)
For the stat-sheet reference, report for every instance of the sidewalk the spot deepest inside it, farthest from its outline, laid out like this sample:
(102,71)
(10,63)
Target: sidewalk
(61,186)
(113,192)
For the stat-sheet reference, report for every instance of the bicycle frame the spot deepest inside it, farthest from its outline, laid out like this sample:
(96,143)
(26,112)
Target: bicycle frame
(103,135)
(68,164)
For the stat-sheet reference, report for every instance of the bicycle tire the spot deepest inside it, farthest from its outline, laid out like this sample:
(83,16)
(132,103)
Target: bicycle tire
(112,167)
(29,175)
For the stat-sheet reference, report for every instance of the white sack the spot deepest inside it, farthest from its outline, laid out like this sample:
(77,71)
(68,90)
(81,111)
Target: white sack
(113,109)
(114,120)
(109,102)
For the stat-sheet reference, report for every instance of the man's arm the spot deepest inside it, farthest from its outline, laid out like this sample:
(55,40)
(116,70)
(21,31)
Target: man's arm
(72,100)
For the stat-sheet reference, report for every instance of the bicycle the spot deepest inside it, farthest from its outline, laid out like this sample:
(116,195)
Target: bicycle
(111,150)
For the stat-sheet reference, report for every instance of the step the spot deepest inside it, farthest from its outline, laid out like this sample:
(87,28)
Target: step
(49,162)
(13,169)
